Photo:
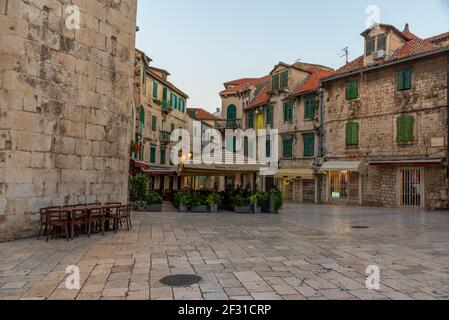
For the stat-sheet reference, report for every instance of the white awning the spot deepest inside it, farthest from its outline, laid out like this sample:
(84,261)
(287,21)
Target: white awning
(351,166)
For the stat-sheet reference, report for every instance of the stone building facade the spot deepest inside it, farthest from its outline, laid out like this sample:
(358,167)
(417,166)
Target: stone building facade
(65,106)
(386,123)
(160,108)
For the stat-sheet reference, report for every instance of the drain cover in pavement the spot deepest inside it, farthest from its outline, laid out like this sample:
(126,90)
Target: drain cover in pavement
(360,227)
(181,280)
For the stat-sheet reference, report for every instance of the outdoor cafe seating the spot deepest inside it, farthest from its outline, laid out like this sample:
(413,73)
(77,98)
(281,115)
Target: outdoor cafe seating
(74,220)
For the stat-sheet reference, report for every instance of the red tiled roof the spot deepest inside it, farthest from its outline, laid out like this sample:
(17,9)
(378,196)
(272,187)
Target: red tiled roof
(313,81)
(203,115)
(413,46)
(242,84)
(262,98)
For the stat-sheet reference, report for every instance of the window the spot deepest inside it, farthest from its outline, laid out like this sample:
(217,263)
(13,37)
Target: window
(155,89)
(268,148)
(153,154)
(182,105)
(344,186)
(370,45)
(309,107)
(279,81)
(352,91)
(288,112)
(275,82)
(352,134)
(382,42)
(404,79)
(250,119)
(309,145)
(163,156)
(154,123)
(164,97)
(405,128)
(287,147)
(284,80)
(269,115)
(172,100)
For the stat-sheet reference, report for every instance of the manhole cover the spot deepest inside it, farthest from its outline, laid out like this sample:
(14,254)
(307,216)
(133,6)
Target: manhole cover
(181,280)
(360,227)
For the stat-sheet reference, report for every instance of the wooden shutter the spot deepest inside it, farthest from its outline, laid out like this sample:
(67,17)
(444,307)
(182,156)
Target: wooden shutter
(309,145)
(407,79)
(400,80)
(152,155)
(163,156)
(268,148)
(287,147)
(352,90)
(164,97)
(401,129)
(352,134)
(409,126)
(284,79)
(275,82)
(155,89)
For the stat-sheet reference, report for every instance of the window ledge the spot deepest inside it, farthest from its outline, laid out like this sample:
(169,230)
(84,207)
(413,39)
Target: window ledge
(352,147)
(406,143)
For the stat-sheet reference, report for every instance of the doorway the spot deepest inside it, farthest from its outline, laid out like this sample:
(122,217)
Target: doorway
(411,187)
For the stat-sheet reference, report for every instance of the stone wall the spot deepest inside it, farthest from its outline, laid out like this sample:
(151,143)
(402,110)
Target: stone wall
(65,106)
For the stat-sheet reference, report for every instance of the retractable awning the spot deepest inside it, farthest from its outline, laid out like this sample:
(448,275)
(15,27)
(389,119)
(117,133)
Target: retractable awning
(160,172)
(405,162)
(351,166)
(303,173)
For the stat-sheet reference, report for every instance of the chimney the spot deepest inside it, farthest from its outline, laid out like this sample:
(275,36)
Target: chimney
(407,28)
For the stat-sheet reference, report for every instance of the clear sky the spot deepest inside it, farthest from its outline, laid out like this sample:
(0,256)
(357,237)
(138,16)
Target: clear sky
(204,43)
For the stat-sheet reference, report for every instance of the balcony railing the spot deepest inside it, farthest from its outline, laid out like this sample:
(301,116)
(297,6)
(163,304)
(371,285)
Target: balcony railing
(165,136)
(228,124)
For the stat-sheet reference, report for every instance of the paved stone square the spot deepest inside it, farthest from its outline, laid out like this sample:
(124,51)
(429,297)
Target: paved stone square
(307,252)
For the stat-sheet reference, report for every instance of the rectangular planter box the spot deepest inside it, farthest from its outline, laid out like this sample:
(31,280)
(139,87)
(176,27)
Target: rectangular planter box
(213,209)
(242,210)
(154,208)
(257,210)
(183,209)
(200,209)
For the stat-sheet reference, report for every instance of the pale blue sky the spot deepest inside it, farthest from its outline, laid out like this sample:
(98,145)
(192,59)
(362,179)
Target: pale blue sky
(204,43)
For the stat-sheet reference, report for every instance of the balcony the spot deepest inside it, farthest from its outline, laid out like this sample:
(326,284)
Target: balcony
(165,137)
(228,124)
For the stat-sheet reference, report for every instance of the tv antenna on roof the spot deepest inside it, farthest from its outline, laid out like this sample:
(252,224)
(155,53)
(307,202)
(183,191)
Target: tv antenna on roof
(298,60)
(345,53)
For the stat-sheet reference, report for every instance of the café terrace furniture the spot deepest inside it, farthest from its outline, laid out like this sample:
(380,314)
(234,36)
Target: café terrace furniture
(80,218)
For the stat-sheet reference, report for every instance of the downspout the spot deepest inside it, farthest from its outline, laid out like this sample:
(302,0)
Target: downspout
(447,127)
(322,142)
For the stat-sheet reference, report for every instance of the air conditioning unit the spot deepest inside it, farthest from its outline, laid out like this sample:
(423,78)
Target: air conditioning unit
(378,54)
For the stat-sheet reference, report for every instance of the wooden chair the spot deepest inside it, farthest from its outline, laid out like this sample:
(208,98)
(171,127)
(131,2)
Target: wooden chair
(96,217)
(79,217)
(128,213)
(56,220)
(43,220)
(121,215)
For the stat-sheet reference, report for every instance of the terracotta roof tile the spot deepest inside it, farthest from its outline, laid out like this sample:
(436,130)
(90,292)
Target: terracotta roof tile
(313,81)
(202,115)
(262,98)
(242,84)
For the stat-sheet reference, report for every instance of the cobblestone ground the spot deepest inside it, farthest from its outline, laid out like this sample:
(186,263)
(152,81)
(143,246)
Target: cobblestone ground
(307,252)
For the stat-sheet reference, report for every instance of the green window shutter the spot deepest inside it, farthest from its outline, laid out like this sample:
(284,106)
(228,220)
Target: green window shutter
(288,112)
(287,147)
(152,155)
(183,105)
(269,119)
(142,116)
(407,79)
(309,108)
(309,145)
(284,80)
(355,134)
(352,134)
(401,129)
(155,89)
(268,148)
(164,97)
(352,90)
(275,82)
(154,123)
(250,117)
(410,123)
(163,154)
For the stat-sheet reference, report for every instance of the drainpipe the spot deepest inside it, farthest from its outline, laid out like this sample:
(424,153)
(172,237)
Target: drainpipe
(321,152)
(447,127)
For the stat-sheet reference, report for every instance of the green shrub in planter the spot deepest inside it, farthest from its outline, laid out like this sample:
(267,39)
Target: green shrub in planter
(153,202)
(182,201)
(213,200)
(241,204)
(198,202)
(257,200)
(139,187)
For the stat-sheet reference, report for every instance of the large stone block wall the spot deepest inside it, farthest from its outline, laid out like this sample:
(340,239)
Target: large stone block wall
(65,106)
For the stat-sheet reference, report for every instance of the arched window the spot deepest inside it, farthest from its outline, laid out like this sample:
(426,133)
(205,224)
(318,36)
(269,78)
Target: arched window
(232,112)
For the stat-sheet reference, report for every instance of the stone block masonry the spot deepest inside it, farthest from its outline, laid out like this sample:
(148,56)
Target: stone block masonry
(65,106)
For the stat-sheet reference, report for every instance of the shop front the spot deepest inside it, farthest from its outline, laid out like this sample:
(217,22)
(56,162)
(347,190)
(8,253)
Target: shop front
(343,182)
(298,184)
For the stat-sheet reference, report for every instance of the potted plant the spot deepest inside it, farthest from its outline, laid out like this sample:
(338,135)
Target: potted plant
(182,201)
(257,201)
(276,201)
(153,202)
(213,200)
(198,203)
(139,187)
(241,204)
